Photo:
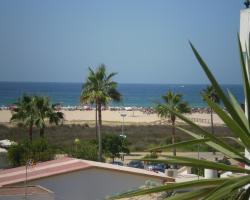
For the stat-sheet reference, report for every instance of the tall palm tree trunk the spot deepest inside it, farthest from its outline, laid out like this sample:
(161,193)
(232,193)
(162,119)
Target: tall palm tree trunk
(42,132)
(174,166)
(212,120)
(30,131)
(99,132)
(212,124)
(96,129)
(173,137)
(100,114)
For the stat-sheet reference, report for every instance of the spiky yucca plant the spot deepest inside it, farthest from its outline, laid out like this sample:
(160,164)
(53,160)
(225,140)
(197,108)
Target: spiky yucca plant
(236,120)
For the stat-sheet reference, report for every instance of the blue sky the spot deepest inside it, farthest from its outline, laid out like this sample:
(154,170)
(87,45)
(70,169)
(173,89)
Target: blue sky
(144,41)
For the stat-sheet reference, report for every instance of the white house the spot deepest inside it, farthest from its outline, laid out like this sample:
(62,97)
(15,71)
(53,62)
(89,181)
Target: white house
(75,179)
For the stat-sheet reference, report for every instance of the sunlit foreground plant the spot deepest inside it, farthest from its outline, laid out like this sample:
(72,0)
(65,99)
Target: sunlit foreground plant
(236,120)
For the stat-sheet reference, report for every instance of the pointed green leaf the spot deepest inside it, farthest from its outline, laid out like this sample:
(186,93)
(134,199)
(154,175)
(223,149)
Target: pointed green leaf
(193,142)
(198,163)
(206,183)
(225,184)
(221,145)
(238,141)
(235,128)
(181,144)
(217,87)
(193,195)
(228,188)
(218,147)
(245,77)
(238,109)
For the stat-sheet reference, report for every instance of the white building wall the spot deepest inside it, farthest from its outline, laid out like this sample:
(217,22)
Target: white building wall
(244,27)
(91,184)
(244,39)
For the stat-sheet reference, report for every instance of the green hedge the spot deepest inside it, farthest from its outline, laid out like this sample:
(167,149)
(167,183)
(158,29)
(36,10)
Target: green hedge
(38,151)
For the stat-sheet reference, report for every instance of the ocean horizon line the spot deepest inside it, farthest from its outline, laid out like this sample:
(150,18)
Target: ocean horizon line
(62,82)
(140,95)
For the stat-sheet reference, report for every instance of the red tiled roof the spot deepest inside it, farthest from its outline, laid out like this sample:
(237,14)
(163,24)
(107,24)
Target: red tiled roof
(45,169)
(66,165)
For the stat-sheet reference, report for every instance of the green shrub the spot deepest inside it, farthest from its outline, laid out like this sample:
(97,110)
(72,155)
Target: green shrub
(85,150)
(17,154)
(38,150)
(114,144)
(41,150)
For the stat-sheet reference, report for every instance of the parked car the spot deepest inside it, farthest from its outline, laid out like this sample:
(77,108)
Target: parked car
(157,167)
(118,163)
(136,164)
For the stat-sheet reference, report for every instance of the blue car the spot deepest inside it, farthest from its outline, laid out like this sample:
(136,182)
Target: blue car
(157,167)
(136,164)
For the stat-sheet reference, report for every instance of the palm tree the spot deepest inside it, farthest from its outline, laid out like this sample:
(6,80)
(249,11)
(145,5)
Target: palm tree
(88,96)
(25,112)
(100,89)
(46,111)
(210,93)
(35,110)
(174,102)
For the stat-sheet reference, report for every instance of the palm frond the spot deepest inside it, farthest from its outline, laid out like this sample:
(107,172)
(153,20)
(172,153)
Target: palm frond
(193,195)
(245,76)
(218,89)
(209,183)
(236,129)
(226,188)
(238,109)
(192,162)
(180,144)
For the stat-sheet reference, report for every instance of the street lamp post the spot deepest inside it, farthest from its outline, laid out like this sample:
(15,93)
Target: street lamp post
(123,115)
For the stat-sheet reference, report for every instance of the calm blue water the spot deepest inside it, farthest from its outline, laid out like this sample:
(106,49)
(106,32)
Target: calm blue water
(144,95)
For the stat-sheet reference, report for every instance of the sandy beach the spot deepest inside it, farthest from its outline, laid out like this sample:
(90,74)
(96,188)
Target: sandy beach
(115,116)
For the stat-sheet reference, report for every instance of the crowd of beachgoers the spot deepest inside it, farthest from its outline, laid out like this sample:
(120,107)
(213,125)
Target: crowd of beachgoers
(145,110)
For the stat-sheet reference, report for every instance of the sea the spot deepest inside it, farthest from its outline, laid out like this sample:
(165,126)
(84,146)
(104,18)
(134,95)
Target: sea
(139,95)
